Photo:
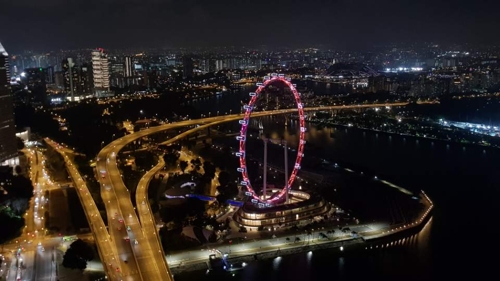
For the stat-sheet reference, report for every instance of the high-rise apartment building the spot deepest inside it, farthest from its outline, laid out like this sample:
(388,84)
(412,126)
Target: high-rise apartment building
(100,69)
(85,85)
(8,144)
(35,79)
(129,67)
(206,65)
(49,75)
(71,79)
(220,65)
(187,67)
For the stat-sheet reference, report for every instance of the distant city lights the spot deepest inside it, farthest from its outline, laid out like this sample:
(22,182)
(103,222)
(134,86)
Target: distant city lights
(403,69)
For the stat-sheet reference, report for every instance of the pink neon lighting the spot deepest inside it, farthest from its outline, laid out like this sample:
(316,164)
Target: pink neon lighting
(243,133)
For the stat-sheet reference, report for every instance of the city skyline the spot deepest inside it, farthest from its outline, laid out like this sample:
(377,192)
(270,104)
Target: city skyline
(247,139)
(7,129)
(349,24)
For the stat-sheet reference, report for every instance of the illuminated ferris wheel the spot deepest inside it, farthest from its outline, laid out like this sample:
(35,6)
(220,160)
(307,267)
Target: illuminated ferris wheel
(243,137)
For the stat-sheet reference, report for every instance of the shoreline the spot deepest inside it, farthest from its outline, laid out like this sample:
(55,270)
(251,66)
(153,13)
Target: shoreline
(317,244)
(450,141)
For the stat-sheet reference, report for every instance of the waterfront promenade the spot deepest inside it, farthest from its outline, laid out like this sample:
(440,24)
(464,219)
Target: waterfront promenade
(290,243)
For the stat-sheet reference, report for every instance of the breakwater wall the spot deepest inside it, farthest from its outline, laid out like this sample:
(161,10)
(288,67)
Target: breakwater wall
(301,247)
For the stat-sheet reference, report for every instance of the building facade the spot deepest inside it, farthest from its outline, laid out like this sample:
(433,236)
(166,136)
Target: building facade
(70,77)
(100,69)
(128,67)
(303,209)
(8,144)
(36,80)
(187,67)
(85,81)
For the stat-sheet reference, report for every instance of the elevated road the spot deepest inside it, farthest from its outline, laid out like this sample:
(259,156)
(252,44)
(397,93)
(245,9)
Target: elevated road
(105,248)
(146,216)
(118,202)
(134,251)
(142,201)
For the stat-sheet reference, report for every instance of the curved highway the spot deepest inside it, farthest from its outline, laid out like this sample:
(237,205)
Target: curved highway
(147,217)
(102,238)
(142,256)
(134,250)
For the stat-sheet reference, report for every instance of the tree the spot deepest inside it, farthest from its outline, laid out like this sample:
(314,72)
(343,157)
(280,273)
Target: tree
(73,261)
(21,187)
(171,158)
(145,159)
(19,205)
(228,191)
(83,249)
(77,255)
(209,169)
(183,165)
(11,225)
(224,178)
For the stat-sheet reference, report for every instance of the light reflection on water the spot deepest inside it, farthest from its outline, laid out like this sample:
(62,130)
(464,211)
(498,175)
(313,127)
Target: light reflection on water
(400,255)
(462,181)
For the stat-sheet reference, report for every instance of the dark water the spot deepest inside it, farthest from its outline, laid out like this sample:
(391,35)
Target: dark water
(232,102)
(461,239)
(352,264)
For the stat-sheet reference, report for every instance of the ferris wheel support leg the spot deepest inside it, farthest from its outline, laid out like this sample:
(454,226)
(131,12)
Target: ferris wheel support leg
(286,172)
(265,170)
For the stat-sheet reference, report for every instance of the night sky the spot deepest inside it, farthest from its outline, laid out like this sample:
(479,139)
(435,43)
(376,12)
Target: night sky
(58,24)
